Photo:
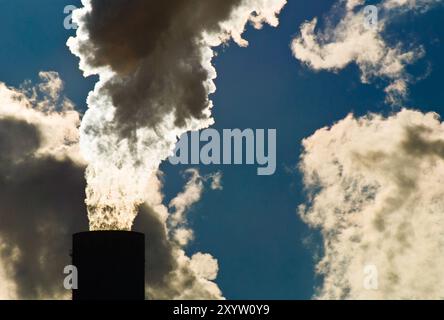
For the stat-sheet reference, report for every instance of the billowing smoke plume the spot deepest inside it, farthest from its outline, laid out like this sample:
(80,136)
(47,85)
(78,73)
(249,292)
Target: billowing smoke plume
(154,62)
(42,204)
(376,194)
(358,39)
(41,188)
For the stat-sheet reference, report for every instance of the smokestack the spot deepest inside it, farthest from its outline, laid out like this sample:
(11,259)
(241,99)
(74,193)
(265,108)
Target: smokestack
(110,265)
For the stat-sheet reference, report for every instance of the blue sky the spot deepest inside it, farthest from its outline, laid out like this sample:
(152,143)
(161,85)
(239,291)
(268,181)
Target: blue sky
(251,226)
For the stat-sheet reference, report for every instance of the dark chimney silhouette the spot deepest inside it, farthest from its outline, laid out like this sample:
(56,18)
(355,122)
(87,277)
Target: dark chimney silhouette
(110,265)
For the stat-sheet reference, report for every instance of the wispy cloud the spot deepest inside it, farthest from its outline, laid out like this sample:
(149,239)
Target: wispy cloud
(351,40)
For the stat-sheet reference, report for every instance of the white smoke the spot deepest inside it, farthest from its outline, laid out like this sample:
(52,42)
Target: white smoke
(182,203)
(41,192)
(375,193)
(120,167)
(191,278)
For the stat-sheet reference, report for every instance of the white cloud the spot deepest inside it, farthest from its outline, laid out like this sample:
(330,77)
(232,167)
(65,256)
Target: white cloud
(375,193)
(420,5)
(184,200)
(58,126)
(352,41)
(183,236)
(204,265)
(216,181)
(52,85)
